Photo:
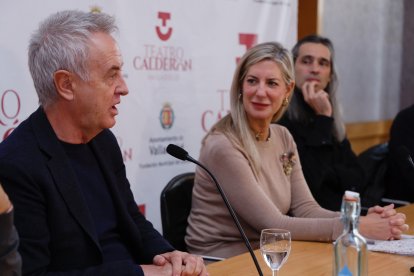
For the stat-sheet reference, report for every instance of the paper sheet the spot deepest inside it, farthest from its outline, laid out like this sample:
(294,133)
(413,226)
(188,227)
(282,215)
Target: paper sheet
(405,246)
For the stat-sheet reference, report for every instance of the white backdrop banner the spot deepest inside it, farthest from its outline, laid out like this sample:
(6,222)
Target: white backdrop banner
(179,58)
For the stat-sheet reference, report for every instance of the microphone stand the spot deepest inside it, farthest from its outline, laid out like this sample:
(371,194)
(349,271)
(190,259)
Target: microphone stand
(232,213)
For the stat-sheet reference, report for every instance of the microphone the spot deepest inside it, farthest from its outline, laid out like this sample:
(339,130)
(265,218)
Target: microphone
(404,153)
(410,160)
(182,154)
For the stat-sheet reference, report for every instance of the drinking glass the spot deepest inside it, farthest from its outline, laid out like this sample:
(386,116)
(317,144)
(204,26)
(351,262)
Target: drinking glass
(275,248)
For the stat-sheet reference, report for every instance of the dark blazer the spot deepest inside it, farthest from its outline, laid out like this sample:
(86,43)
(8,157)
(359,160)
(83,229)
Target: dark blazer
(10,261)
(55,227)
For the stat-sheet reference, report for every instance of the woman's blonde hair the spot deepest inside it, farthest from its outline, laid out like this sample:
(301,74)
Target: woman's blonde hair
(235,125)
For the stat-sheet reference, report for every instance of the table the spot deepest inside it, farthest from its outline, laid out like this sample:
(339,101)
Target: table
(315,258)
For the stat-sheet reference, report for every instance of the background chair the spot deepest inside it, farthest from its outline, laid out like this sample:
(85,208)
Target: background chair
(374,162)
(175,208)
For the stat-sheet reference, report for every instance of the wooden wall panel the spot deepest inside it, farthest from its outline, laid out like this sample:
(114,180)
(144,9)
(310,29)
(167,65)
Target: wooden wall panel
(307,17)
(363,135)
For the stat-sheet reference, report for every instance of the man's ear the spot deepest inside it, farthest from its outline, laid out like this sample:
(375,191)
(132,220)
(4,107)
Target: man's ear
(63,81)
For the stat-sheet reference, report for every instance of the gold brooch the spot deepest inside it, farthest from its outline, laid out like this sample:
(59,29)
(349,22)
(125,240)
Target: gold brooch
(288,160)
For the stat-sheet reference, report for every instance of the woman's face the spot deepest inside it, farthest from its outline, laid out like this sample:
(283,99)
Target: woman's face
(263,91)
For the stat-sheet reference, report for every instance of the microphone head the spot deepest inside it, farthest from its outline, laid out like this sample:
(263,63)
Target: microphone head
(177,152)
(404,155)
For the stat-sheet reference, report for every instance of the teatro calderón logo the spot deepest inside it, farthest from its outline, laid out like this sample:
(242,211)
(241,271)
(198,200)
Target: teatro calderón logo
(164,35)
(163,56)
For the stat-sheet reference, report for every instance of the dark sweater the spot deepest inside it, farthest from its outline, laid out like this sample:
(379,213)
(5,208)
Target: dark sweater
(330,167)
(400,178)
(99,201)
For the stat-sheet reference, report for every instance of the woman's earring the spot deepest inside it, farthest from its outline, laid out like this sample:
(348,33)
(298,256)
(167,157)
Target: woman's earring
(240,95)
(285,102)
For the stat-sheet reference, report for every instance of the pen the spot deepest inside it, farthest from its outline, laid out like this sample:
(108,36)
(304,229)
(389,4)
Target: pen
(372,242)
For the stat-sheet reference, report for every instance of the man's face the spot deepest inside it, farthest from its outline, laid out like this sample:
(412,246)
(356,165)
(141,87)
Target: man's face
(96,99)
(313,64)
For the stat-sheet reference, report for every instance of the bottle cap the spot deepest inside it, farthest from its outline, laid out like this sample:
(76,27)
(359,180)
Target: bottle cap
(349,195)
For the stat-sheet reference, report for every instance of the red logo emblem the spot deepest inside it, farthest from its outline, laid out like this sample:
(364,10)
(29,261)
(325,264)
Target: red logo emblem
(249,40)
(164,36)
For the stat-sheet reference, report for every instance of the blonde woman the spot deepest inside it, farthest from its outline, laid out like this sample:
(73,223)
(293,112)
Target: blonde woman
(257,164)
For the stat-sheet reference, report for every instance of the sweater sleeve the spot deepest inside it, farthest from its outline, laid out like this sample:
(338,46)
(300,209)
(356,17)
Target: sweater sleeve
(303,204)
(253,204)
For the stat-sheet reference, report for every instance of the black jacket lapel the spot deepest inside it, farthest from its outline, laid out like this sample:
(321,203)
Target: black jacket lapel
(63,175)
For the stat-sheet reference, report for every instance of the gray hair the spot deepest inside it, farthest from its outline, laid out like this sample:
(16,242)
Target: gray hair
(235,125)
(297,110)
(61,43)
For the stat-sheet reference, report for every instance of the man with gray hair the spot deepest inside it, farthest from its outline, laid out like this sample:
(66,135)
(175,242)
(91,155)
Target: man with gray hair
(63,169)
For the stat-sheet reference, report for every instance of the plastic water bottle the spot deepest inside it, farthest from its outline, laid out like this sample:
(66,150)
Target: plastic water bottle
(350,248)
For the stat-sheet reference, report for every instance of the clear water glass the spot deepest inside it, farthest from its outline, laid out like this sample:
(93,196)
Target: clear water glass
(275,248)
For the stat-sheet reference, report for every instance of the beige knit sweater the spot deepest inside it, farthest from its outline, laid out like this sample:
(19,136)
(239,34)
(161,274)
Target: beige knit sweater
(274,200)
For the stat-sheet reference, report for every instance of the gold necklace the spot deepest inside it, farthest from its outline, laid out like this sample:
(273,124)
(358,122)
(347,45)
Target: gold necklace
(259,134)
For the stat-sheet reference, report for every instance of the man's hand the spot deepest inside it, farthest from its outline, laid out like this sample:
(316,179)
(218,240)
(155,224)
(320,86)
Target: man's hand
(396,220)
(157,270)
(182,263)
(386,211)
(317,100)
(383,223)
(5,203)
